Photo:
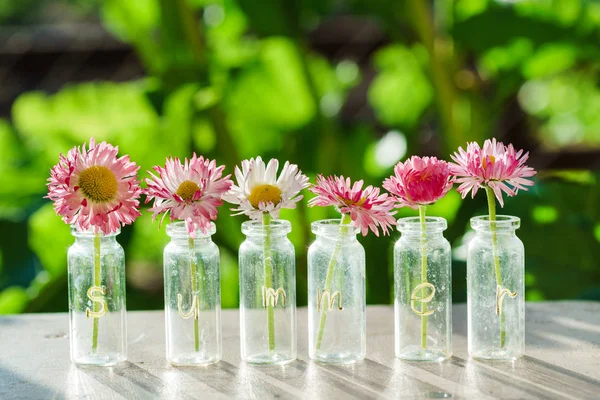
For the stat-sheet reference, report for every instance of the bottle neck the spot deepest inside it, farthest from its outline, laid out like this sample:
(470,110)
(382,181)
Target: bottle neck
(349,237)
(429,235)
(276,230)
(188,241)
(413,227)
(260,238)
(90,240)
(503,225)
(499,232)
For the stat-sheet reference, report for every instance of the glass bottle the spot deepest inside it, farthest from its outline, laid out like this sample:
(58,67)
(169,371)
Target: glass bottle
(192,297)
(97,314)
(496,289)
(423,290)
(336,294)
(267,293)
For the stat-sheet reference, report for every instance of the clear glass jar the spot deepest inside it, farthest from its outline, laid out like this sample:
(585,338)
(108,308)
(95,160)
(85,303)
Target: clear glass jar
(423,290)
(97,314)
(336,294)
(496,289)
(267,293)
(192,297)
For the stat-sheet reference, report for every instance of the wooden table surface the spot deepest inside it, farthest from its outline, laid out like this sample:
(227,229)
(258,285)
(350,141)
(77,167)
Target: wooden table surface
(562,362)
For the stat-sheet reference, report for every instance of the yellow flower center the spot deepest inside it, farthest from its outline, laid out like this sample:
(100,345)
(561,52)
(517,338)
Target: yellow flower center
(350,203)
(98,184)
(187,189)
(484,162)
(265,193)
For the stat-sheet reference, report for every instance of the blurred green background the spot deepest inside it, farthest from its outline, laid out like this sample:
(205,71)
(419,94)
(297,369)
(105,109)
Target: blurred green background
(337,86)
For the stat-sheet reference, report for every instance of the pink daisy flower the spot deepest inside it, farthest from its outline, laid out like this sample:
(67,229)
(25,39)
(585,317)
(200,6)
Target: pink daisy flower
(419,181)
(93,189)
(190,192)
(367,208)
(495,166)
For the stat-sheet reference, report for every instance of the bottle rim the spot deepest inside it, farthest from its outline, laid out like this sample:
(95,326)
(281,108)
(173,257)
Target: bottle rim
(89,233)
(413,224)
(502,223)
(332,227)
(178,229)
(278,227)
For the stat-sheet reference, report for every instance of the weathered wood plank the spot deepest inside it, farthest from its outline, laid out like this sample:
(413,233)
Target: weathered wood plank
(568,384)
(562,362)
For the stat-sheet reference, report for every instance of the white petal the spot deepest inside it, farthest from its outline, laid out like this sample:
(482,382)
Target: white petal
(256,174)
(270,176)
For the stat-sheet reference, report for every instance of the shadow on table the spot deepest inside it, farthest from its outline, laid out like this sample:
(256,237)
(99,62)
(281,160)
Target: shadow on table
(557,324)
(553,324)
(241,381)
(13,385)
(10,320)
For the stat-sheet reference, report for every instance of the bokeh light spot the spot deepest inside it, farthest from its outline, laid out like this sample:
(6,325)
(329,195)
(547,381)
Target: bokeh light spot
(529,279)
(533,97)
(565,129)
(331,104)
(390,149)
(347,72)
(214,15)
(544,214)
(534,295)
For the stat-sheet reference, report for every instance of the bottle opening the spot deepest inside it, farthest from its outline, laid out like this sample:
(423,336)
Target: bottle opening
(502,223)
(178,229)
(333,227)
(278,227)
(413,224)
(89,233)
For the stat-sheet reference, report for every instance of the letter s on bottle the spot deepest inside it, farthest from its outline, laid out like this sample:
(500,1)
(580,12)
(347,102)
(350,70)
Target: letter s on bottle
(96,295)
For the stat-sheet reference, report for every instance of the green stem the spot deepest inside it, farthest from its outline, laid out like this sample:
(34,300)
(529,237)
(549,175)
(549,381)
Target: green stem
(346,219)
(193,268)
(267,260)
(423,275)
(97,282)
(440,69)
(492,211)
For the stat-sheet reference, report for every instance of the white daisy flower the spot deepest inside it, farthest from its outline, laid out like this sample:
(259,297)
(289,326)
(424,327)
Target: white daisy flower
(259,191)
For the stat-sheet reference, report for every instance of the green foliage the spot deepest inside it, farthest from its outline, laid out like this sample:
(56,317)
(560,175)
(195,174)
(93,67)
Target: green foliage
(21,178)
(135,22)
(229,280)
(280,20)
(131,20)
(401,92)
(148,240)
(232,79)
(49,239)
(13,300)
(568,107)
(271,97)
(568,210)
(522,21)
(106,111)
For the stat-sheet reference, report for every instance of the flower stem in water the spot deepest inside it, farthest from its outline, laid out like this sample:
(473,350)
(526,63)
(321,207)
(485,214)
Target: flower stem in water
(268,260)
(346,219)
(492,211)
(193,268)
(97,282)
(423,275)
